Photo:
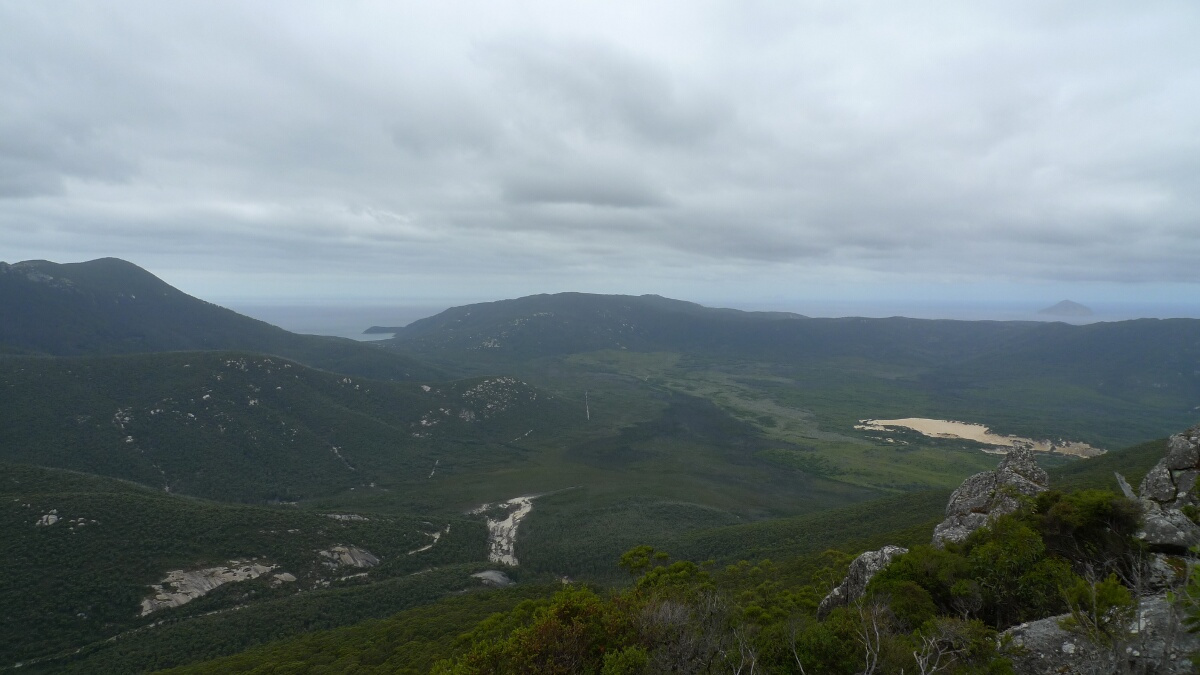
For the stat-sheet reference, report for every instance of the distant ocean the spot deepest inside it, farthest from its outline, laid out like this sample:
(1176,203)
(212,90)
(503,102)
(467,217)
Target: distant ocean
(340,321)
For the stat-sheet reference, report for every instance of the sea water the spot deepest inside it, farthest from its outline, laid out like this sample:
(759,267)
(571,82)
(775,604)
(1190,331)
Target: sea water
(347,321)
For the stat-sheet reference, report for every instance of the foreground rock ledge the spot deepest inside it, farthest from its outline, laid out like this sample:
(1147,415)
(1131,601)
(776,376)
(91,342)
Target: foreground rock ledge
(1156,643)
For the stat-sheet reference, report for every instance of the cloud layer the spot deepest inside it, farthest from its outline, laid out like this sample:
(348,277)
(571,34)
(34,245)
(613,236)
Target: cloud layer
(478,149)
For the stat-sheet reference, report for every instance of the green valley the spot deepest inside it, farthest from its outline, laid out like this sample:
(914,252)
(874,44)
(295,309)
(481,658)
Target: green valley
(153,444)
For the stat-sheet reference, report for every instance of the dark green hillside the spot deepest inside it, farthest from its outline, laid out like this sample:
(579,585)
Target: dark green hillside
(110,306)
(413,638)
(407,643)
(82,578)
(246,427)
(1127,380)
(570,323)
(1097,474)
(903,519)
(808,382)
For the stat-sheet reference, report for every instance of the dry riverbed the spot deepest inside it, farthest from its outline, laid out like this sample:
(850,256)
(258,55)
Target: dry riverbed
(980,434)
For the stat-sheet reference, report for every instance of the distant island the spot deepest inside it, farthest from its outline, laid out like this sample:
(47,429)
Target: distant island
(1067,308)
(374,330)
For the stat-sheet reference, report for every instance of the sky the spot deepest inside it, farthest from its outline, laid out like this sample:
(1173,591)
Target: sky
(799,154)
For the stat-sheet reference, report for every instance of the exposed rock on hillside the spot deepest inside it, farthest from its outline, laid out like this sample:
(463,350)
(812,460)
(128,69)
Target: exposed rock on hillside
(502,532)
(988,495)
(182,586)
(861,571)
(1156,643)
(494,578)
(349,556)
(1166,490)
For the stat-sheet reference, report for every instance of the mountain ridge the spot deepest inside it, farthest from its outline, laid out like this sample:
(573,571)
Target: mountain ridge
(111,306)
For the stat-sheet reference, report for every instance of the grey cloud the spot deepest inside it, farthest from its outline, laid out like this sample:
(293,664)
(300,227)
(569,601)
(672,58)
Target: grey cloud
(677,144)
(36,158)
(606,91)
(605,188)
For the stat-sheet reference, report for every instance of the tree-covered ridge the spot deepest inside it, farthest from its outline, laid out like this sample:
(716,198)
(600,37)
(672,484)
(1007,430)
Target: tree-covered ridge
(79,576)
(567,323)
(803,551)
(1109,384)
(247,427)
(406,643)
(110,306)
(930,610)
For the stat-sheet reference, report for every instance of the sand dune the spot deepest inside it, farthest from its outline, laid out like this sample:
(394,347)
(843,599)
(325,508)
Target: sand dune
(980,434)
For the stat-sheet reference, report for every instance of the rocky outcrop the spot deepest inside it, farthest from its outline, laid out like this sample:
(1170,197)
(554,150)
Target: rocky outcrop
(349,556)
(494,578)
(1166,490)
(861,571)
(182,586)
(282,578)
(990,494)
(1162,573)
(1155,642)
(502,532)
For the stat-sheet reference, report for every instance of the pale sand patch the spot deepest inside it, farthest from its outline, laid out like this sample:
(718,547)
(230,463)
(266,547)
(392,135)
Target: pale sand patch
(980,434)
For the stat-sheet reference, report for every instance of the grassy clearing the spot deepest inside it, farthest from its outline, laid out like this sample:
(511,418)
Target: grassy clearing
(812,408)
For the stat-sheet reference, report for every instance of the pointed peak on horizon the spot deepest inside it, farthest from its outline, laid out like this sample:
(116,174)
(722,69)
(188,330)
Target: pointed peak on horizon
(1067,308)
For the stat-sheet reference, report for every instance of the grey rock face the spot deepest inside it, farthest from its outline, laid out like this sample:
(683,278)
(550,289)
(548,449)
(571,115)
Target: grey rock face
(180,587)
(987,495)
(1164,573)
(1156,642)
(1166,490)
(494,578)
(1157,485)
(1185,487)
(349,556)
(1167,529)
(1124,485)
(861,571)
(1182,453)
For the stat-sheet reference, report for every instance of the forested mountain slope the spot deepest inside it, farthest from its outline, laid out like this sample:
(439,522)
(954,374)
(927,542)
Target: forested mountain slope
(248,427)
(78,555)
(109,306)
(1110,384)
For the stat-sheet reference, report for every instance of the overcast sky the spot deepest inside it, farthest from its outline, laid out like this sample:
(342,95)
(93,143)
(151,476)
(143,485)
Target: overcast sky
(739,153)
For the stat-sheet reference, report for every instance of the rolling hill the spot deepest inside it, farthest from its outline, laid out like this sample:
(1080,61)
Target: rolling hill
(1109,383)
(73,585)
(109,306)
(249,427)
(712,433)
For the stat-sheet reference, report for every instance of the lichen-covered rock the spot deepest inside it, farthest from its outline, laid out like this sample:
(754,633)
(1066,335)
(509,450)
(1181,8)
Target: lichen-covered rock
(1156,642)
(990,494)
(861,571)
(1157,485)
(1167,529)
(1163,573)
(1182,452)
(1166,490)
(1185,487)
